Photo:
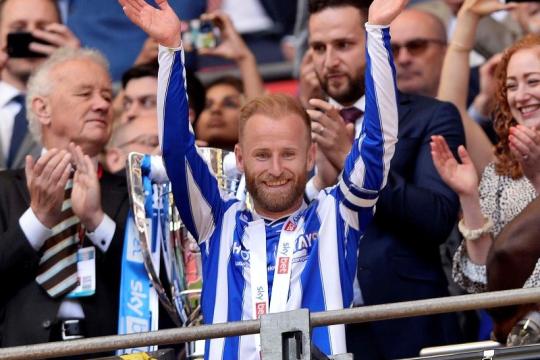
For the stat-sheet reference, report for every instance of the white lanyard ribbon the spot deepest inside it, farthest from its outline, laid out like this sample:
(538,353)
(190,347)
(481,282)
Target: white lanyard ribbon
(256,241)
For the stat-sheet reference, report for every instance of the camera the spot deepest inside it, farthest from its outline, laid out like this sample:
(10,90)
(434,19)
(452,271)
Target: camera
(18,45)
(201,34)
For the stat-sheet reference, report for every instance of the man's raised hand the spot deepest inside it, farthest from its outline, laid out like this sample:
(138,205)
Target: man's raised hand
(383,12)
(161,24)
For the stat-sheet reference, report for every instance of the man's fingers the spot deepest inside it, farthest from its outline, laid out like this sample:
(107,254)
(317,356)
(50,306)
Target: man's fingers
(51,165)
(29,169)
(42,48)
(322,105)
(78,157)
(133,4)
(60,168)
(42,161)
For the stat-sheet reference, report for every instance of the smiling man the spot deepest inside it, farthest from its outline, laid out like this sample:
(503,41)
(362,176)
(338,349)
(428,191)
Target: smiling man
(259,261)
(48,216)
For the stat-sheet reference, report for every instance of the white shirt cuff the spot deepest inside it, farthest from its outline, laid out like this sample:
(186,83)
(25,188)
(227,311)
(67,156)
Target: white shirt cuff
(36,233)
(103,234)
(311,191)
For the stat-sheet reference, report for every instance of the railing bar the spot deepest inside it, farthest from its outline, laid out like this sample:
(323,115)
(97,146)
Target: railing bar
(346,316)
(426,307)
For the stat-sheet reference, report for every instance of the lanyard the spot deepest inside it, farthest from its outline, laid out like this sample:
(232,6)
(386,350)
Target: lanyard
(256,240)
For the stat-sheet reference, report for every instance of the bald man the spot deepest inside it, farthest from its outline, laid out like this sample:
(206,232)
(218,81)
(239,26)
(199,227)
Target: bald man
(419,46)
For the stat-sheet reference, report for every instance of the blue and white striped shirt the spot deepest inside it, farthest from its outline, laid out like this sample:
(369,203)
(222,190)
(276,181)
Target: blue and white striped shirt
(326,243)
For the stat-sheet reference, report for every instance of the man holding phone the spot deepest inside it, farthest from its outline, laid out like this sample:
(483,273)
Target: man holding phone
(43,33)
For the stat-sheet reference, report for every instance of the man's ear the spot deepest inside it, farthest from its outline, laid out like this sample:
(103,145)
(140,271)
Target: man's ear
(239,157)
(114,160)
(311,156)
(42,109)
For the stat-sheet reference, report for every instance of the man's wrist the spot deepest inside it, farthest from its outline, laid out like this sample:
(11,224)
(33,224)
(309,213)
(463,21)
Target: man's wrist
(93,222)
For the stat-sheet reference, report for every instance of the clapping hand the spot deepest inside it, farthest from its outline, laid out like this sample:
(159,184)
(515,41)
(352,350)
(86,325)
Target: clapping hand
(462,178)
(86,193)
(329,131)
(46,180)
(525,146)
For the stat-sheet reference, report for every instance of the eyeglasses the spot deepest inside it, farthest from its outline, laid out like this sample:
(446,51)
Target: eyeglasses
(145,140)
(415,47)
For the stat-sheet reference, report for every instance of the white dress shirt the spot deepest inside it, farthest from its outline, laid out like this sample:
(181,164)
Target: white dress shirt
(36,233)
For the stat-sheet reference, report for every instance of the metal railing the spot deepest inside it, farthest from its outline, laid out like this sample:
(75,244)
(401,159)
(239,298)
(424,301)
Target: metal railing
(345,316)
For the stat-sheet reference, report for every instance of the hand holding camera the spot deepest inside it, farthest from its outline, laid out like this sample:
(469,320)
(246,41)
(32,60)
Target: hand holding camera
(231,45)
(40,42)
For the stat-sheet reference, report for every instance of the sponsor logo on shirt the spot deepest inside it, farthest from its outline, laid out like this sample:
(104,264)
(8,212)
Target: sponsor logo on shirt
(283,265)
(260,309)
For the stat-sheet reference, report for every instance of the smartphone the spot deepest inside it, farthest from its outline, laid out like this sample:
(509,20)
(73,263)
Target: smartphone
(18,45)
(520,1)
(201,34)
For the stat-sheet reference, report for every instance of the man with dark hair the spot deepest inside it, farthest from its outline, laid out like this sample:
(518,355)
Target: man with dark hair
(139,86)
(42,19)
(398,256)
(283,254)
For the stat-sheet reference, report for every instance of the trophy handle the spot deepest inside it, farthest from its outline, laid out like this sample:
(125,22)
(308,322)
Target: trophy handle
(136,198)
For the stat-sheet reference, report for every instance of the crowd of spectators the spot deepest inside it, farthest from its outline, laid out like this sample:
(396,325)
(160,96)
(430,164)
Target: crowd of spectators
(467,156)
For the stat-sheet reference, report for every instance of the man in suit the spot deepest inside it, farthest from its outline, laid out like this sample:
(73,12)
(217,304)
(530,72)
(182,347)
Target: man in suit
(46,217)
(43,21)
(398,257)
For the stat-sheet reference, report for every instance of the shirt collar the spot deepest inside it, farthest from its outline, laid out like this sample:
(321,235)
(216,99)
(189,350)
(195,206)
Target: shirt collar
(359,104)
(268,221)
(7,93)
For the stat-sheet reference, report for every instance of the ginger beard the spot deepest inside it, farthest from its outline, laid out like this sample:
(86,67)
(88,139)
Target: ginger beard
(280,198)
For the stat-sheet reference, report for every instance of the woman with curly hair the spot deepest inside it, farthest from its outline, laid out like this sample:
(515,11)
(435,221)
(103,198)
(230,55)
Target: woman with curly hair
(494,184)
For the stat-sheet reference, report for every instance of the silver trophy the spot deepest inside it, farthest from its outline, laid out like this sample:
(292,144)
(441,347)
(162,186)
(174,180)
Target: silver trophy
(180,252)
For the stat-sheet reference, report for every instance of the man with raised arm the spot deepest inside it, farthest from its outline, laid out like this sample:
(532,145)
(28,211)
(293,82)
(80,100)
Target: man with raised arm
(284,254)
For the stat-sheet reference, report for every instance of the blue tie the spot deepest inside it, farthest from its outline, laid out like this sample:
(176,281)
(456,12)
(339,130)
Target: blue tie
(20,127)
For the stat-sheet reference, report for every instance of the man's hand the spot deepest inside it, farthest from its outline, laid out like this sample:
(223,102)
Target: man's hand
(309,85)
(160,24)
(86,193)
(46,180)
(333,137)
(231,45)
(383,12)
(327,174)
(57,35)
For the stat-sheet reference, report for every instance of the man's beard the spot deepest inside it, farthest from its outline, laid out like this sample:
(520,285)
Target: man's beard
(275,201)
(353,90)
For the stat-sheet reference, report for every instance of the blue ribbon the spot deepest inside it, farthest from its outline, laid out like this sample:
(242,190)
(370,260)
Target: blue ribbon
(135,313)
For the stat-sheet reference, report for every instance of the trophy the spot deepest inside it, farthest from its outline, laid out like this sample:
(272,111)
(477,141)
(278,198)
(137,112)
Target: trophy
(148,184)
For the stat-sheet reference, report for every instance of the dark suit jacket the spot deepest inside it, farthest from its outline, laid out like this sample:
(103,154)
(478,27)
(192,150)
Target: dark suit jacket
(399,257)
(26,311)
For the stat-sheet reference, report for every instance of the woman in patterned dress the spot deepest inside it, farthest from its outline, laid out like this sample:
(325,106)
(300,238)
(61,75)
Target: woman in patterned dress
(509,173)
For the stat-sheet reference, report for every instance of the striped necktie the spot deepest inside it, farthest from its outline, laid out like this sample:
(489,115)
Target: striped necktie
(57,272)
